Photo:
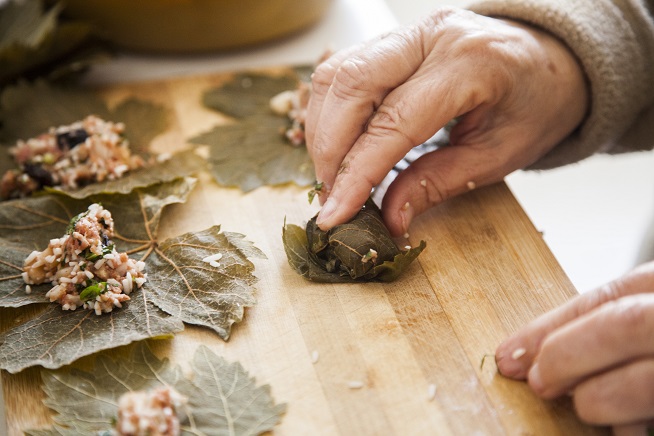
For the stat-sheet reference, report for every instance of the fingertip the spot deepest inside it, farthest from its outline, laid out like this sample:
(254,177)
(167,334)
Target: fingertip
(513,360)
(324,219)
(397,218)
(535,380)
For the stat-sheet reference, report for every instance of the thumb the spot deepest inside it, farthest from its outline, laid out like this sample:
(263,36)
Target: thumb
(436,177)
(515,355)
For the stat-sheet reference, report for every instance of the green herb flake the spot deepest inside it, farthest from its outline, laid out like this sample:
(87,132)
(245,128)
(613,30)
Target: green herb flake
(317,188)
(105,250)
(93,291)
(73,222)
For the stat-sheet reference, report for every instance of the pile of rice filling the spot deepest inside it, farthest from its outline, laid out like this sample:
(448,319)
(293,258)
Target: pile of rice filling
(68,157)
(152,413)
(84,267)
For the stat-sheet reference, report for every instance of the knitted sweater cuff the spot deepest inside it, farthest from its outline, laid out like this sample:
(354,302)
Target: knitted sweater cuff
(614,44)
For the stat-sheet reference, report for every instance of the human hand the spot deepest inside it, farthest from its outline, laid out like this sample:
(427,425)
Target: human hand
(516,91)
(599,348)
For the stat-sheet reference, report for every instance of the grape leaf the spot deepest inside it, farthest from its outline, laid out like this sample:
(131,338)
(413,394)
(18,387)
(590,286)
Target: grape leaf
(181,164)
(223,398)
(200,303)
(31,37)
(179,283)
(360,250)
(248,94)
(29,110)
(253,151)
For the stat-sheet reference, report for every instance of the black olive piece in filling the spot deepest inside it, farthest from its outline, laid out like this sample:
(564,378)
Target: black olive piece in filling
(71,139)
(40,174)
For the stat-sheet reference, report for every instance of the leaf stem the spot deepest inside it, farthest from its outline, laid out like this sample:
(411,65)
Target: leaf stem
(10,265)
(2,279)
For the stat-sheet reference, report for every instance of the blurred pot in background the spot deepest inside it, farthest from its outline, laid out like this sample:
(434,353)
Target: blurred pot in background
(184,26)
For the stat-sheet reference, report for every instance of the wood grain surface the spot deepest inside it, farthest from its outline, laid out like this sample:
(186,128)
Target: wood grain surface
(485,272)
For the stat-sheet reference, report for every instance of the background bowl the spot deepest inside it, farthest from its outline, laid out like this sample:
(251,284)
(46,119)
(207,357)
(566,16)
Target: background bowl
(183,26)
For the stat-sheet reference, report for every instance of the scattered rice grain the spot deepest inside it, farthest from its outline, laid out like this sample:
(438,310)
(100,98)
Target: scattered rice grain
(431,392)
(355,384)
(518,353)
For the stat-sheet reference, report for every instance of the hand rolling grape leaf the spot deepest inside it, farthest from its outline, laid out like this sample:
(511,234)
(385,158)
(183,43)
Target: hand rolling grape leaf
(222,397)
(180,287)
(360,250)
(27,110)
(252,151)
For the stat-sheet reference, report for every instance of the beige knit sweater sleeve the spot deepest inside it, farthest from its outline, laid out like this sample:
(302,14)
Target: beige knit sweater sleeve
(614,41)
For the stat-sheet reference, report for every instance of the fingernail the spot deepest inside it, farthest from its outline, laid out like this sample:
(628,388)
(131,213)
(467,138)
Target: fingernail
(326,212)
(406,215)
(535,380)
(510,362)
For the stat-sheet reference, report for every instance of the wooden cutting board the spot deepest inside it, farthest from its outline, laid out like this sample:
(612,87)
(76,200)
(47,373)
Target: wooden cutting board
(485,272)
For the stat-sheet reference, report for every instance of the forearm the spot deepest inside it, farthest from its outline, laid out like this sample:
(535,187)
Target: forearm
(614,42)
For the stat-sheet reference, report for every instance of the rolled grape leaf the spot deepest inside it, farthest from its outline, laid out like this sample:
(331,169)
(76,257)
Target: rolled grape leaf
(360,250)
(180,278)
(253,151)
(222,397)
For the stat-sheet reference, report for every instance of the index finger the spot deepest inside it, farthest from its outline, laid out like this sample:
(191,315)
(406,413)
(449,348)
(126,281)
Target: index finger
(515,356)
(344,96)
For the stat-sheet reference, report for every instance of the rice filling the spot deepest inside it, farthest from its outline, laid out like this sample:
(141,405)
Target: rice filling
(84,267)
(68,157)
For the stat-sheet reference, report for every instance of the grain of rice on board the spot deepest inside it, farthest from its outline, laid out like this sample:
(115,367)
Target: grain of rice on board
(83,266)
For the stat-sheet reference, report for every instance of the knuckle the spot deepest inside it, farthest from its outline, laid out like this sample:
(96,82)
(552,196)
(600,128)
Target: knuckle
(631,315)
(435,190)
(352,79)
(388,118)
(322,77)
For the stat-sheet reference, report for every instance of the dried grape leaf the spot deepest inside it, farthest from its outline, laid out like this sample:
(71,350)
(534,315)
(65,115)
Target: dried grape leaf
(175,268)
(360,250)
(57,337)
(223,398)
(253,151)
(239,406)
(182,164)
(31,37)
(247,94)
(24,24)
(27,110)
(143,122)
(211,297)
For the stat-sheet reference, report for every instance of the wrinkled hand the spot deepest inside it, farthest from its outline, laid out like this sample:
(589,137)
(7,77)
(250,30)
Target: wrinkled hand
(518,92)
(599,347)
